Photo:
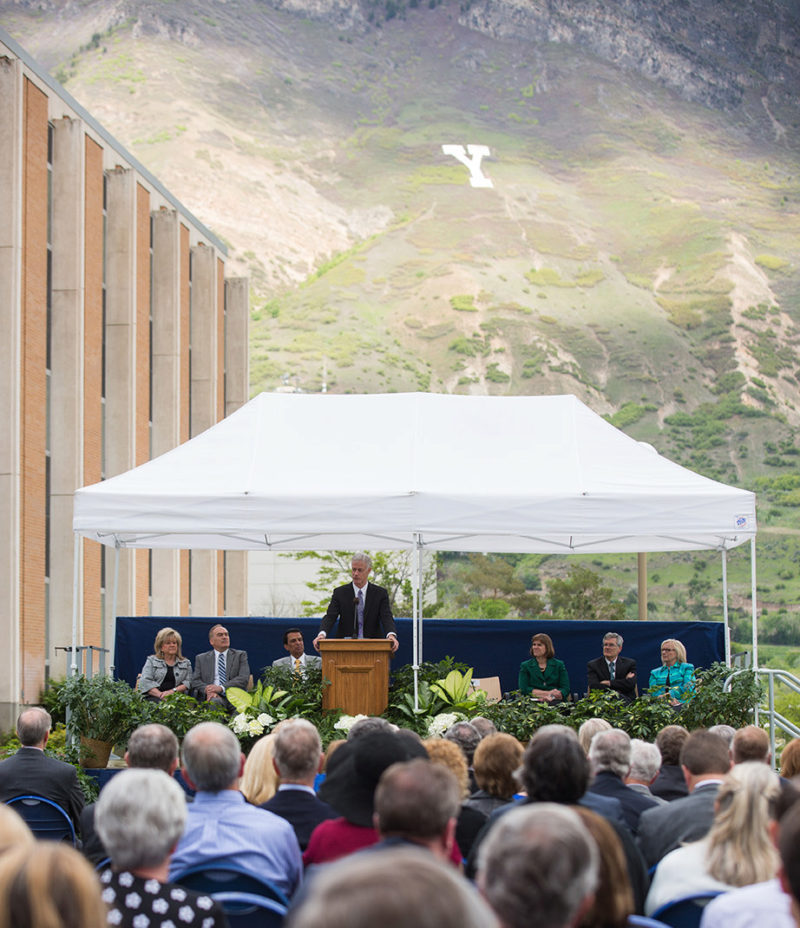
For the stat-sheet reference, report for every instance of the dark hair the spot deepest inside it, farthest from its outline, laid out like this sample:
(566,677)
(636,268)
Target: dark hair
(291,631)
(554,766)
(669,741)
(704,752)
(613,899)
(789,847)
(547,641)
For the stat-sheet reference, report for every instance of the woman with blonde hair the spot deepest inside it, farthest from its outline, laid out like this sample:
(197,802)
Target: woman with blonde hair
(737,850)
(589,729)
(259,780)
(49,885)
(13,830)
(167,670)
(674,679)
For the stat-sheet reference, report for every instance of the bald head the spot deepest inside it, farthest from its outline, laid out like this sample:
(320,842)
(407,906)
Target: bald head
(33,727)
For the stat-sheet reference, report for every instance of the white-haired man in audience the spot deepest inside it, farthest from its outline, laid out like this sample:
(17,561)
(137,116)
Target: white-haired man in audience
(610,757)
(645,764)
(140,817)
(538,868)
(220,825)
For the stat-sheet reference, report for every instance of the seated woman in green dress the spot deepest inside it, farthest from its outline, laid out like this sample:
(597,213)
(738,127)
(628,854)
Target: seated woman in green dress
(544,677)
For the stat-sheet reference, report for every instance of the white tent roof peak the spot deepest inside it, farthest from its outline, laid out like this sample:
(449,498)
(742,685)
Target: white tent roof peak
(460,473)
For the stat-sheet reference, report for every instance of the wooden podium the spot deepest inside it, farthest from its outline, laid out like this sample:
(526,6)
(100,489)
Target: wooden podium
(358,669)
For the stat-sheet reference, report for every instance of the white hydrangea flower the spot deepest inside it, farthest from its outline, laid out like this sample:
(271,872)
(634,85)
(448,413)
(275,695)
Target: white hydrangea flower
(346,722)
(439,724)
(254,727)
(239,723)
(266,720)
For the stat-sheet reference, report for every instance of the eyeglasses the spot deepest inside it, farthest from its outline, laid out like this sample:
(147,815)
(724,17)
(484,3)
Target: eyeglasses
(667,649)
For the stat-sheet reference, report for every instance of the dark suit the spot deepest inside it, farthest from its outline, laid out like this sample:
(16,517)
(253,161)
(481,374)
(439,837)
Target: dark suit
(32,772)
(670,783)
(633,804)
(597,671)
(301,810)
(664,828)
(237,670)
(378,621)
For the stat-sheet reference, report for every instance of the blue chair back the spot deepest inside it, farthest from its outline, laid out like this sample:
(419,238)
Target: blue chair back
(642,921)
(249,910)
(685,912)
(45,818)
(226,877)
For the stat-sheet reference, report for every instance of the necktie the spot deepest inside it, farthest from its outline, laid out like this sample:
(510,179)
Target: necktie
(223,674)
(360,614)
(611,666)
(297,665)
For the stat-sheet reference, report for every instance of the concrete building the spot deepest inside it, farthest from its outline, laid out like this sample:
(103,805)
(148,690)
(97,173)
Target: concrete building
(121,338)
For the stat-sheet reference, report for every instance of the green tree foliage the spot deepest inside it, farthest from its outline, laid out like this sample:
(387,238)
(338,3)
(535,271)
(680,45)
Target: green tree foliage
(582,596)
(491,589)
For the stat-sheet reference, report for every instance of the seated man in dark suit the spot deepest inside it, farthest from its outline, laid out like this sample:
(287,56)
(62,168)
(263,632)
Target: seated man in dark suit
(216,670)
(297,658)
(612,671)
(610,757)
(361,609)
(32,772)
(297,756)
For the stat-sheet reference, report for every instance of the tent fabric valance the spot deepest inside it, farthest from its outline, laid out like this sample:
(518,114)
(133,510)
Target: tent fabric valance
(452,473)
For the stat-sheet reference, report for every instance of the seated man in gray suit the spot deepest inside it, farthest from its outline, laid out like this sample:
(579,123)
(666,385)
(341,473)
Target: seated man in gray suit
(216,670)
(297,658)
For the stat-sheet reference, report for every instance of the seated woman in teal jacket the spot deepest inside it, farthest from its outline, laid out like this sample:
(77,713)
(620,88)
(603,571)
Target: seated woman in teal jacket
(544,677)
(674,679)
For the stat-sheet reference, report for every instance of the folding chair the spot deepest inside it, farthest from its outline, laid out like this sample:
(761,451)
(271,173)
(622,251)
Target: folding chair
(45,818)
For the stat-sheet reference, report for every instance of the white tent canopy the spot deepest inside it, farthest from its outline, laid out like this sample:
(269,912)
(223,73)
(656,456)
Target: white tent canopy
(450,473)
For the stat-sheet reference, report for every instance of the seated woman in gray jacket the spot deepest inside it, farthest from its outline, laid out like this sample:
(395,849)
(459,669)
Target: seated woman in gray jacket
(167,671)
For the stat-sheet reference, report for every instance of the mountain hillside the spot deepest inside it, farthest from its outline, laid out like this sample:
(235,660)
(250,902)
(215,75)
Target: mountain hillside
(635,242)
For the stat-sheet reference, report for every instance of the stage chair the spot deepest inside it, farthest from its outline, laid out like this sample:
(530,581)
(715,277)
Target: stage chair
(221,876)
(45,818)
(685,912)
(249,910)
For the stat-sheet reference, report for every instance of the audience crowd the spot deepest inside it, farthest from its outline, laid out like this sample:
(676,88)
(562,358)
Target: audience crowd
(469,830)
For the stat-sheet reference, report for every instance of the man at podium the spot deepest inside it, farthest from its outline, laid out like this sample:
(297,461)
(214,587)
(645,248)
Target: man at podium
(360,608)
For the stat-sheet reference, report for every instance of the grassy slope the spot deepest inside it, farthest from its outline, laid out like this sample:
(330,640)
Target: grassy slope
(632,250)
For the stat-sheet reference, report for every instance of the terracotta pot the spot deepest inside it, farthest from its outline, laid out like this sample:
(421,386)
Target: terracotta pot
(95,753)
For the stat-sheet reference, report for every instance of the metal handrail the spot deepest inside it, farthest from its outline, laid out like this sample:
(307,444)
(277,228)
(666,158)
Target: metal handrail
(775,720)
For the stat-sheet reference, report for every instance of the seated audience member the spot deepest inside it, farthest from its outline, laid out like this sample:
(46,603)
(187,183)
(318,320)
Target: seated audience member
(48,884)
(613,899)
(705,760)
(670,783)
(417,803)
(400,886)
(259,779)
(610,757)
(737,850)
(32,772)
(140,818)
(152,747)
(674,679)
(467,737)
(724,731)
(556,769)
(789,847)
(497,758)
(221,826)
(751,743)
(349,788)
(589,729)
(538,868)
(762,903)
(297,659)
(790,759)
(297,759)
(645,764)
(483,726)
(612,672)
(543,676)
(470,820)
(219,668)
(167,670)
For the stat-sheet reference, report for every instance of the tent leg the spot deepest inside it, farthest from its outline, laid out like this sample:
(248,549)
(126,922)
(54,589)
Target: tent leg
(76,573)
(754,604)
(725,607)
(415,645)
(116,584)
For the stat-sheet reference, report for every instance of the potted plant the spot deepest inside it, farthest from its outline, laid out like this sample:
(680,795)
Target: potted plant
(101,711)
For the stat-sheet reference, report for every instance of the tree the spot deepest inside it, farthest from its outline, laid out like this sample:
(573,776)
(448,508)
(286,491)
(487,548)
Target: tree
(393,570)
(488,581)
(581,596)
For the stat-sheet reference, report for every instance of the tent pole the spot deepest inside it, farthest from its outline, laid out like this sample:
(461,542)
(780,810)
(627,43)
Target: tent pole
(641,563)
(417,617)
(116,582)
(76,572)
(753,600)
(725,607)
